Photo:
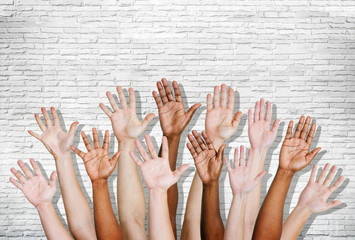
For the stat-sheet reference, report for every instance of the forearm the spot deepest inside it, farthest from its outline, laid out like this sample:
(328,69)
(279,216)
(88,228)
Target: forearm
(77,208)
(158,216)
(211,221)
(294,223)
(235,222)
(130,195)
(106,224)
(51,223)
(269,222)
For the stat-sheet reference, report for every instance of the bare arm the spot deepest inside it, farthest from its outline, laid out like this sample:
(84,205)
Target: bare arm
(40,194)
(313,199)
(99,167)
(57,142)
(130,195)
(294,156)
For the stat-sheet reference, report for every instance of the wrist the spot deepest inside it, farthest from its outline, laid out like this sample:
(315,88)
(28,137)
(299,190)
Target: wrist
(99,182)
(211,184)
(62,156)
(158,191)
(44,206)
(303,210)
(240,196)
(127,145)
(287,173)
(173,137)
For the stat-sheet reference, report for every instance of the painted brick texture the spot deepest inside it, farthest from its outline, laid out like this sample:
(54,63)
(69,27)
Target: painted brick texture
(298,54)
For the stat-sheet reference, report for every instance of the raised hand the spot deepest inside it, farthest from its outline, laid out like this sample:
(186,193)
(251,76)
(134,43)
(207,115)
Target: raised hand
(260,135)
(155,170)
(208,161)
(35,187)
(125,123)
(97,160)
(315,195)
(54,138)
(220,123)
(240,177)
(295,154)
(172,115)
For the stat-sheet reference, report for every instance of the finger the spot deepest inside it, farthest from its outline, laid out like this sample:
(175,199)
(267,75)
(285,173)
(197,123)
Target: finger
(199,140)
(24,169)
(311,155)
(250,120)
(209,102)
(141,150)
(236,157)
(135,158)
(106,143)
(242,156)
(157,99)
(268,111)
(96,138)
(132,99)
(313,176)
(258,177)
(262,109)
(168,91)
(35,167)
(305,128)
(16,183)
(86,141)
(220,154)
(53,180)
(46,117)
(150,146)
(115,157)
(191,111)
(147,120)
(216,97)
(337,184)
(72,128)
(77,151)
(55,116)
(105,109)
(208,141)
(250,154)
(194,144)
(230,104)
(162,93)
(257,111)
(228,166)
(275,127)
(192,150)
(121,97)
(180,170)
(18,175)
(223,96)
(311,134)
(299,127)
(332,204)
(236,119)
(323,173)
(36,135)
(178,96)
(330,176)
(40,123)
(289,130)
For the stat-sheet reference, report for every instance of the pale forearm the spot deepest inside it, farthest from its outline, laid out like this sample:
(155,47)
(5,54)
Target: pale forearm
(295,222)
(130,195)
(159,226)
(106,224)
(51,223)
(77,208)
(235,223)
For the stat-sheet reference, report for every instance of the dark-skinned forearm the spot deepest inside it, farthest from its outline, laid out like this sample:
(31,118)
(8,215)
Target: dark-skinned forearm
(211,221)
(106,224)
(269,222)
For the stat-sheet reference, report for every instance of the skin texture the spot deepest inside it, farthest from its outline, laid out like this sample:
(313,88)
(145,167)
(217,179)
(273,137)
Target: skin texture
(58,143)
(242,183)
(130,195)
(173,120)
(313,199)
(158,177)
(260,137)
(220,124)
(40,194)
(294,156)
(99,167)
(208,163)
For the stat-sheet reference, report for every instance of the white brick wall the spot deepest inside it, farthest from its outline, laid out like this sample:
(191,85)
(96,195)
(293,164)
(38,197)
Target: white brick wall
(298,54)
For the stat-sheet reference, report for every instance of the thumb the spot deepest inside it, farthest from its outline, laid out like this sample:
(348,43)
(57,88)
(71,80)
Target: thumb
(191,111)
(178,172)
(53,180)
(332,204)
(311,155)
(220,152)
(258,177)
(115,157)
(275,126)
(236,119)
(73,127)
(147,120)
